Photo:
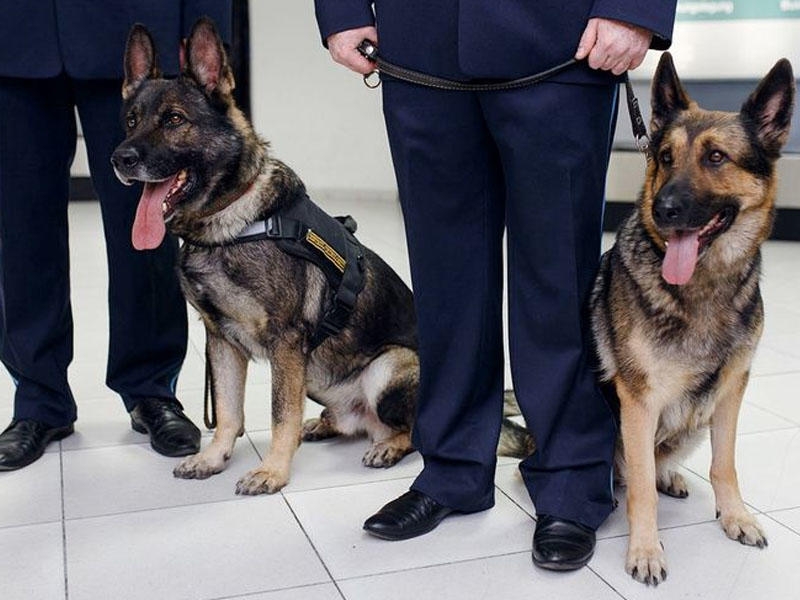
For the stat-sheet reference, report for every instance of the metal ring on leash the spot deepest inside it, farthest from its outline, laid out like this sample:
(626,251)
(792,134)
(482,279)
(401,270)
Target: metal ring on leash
(377,79)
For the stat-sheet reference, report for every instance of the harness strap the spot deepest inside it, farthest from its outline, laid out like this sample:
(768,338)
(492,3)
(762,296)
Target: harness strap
(304,230)
(369,51)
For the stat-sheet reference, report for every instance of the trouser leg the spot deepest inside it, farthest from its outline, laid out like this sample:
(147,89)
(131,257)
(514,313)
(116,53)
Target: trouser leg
(451,191)
(37,143)
(554,142)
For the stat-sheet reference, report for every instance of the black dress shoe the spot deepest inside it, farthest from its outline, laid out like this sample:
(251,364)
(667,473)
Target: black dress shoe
(171,431)
(408,516)
(24,441)
(561,545)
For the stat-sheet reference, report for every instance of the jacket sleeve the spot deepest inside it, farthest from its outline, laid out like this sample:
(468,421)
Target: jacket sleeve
(656,15)
(334,16)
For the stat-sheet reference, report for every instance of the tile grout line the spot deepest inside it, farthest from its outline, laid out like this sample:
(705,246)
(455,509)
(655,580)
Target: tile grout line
(313,547)
(303,529)
(63,521)
(601,578)
(781,523)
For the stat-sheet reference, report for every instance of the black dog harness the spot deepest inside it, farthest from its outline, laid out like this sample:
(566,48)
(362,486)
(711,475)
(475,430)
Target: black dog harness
(304,230)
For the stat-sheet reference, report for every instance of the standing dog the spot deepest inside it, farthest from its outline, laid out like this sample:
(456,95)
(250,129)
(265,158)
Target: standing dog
(208,177)
(676,309)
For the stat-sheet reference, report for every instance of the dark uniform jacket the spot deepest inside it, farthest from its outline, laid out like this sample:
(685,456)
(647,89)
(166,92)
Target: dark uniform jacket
(86,38)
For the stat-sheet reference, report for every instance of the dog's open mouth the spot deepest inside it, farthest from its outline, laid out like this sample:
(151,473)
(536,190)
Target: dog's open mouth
(684,247)
(156,208)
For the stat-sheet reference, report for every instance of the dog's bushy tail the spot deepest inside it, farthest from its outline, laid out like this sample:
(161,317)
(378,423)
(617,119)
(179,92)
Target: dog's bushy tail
(515,440)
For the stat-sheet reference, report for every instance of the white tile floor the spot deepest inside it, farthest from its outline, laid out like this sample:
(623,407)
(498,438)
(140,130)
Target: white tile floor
(100,516)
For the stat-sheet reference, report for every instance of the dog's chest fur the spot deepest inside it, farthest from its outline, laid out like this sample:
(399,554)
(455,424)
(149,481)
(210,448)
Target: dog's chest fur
(250,311)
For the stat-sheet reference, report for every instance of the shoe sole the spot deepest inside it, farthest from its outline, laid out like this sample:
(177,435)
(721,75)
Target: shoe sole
(398,538)
(54,436)
(563,566)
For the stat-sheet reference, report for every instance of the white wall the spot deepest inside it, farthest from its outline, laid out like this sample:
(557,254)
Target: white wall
(319,117)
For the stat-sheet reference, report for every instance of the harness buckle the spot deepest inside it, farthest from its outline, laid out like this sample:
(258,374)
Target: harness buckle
(274,228)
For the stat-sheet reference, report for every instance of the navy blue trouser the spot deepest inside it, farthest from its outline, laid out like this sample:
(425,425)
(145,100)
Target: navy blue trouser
(471,166)
(148,329)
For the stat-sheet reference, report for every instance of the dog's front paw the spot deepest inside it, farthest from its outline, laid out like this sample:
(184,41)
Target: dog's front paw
(262,481)
(647,565)
(198,466)
(744,528)
(385,454)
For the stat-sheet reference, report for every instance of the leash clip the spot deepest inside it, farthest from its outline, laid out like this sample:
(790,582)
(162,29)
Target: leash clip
(643,145)
(372,82)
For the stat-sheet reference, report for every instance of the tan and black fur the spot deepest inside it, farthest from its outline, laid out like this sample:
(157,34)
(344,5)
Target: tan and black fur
(675,333)
(256,301)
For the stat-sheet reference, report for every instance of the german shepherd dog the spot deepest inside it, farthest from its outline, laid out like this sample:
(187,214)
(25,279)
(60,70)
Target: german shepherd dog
(207,176)
(676,309)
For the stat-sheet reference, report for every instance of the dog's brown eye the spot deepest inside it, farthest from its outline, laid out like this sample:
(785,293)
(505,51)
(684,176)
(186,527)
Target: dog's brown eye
(130,122)
(175,119)
(716,157)
(665,157)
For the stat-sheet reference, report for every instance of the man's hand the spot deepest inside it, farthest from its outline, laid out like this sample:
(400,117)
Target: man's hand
(613,45)
(342,47)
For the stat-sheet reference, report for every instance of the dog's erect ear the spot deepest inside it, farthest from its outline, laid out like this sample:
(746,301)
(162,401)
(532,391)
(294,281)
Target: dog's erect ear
(206,60)
(140,60)
(769,107)
(667,95)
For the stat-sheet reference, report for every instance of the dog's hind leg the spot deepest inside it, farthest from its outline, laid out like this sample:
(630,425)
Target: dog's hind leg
(228,373)
(669,482)
(645,561)
(320,428)
(738,523)
(288,395)
(390,385)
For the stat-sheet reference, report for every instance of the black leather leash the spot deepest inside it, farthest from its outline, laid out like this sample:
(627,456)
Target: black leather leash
(369,51)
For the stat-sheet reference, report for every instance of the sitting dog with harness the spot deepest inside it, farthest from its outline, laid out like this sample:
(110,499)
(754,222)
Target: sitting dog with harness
(272,276)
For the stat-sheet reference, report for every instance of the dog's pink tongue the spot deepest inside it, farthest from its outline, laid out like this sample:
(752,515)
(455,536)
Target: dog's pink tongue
(148,227)
(681,257)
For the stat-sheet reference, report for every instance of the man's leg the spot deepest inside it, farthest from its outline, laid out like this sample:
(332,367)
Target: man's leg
(37,142)
(450,188)
(554,140)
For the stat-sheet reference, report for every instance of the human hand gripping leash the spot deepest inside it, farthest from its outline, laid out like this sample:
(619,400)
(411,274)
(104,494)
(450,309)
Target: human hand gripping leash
(369,50)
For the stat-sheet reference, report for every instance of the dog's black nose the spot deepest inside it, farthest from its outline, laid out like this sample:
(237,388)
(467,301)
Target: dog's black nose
(671,207)
(125,157)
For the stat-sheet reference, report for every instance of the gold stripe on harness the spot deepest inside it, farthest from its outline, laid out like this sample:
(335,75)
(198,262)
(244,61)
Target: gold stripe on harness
(329,253)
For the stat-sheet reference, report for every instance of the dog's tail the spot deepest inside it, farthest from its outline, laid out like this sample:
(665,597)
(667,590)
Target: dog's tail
(515,440)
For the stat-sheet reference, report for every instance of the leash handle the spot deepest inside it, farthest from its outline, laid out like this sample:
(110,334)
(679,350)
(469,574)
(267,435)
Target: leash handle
(369,50)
